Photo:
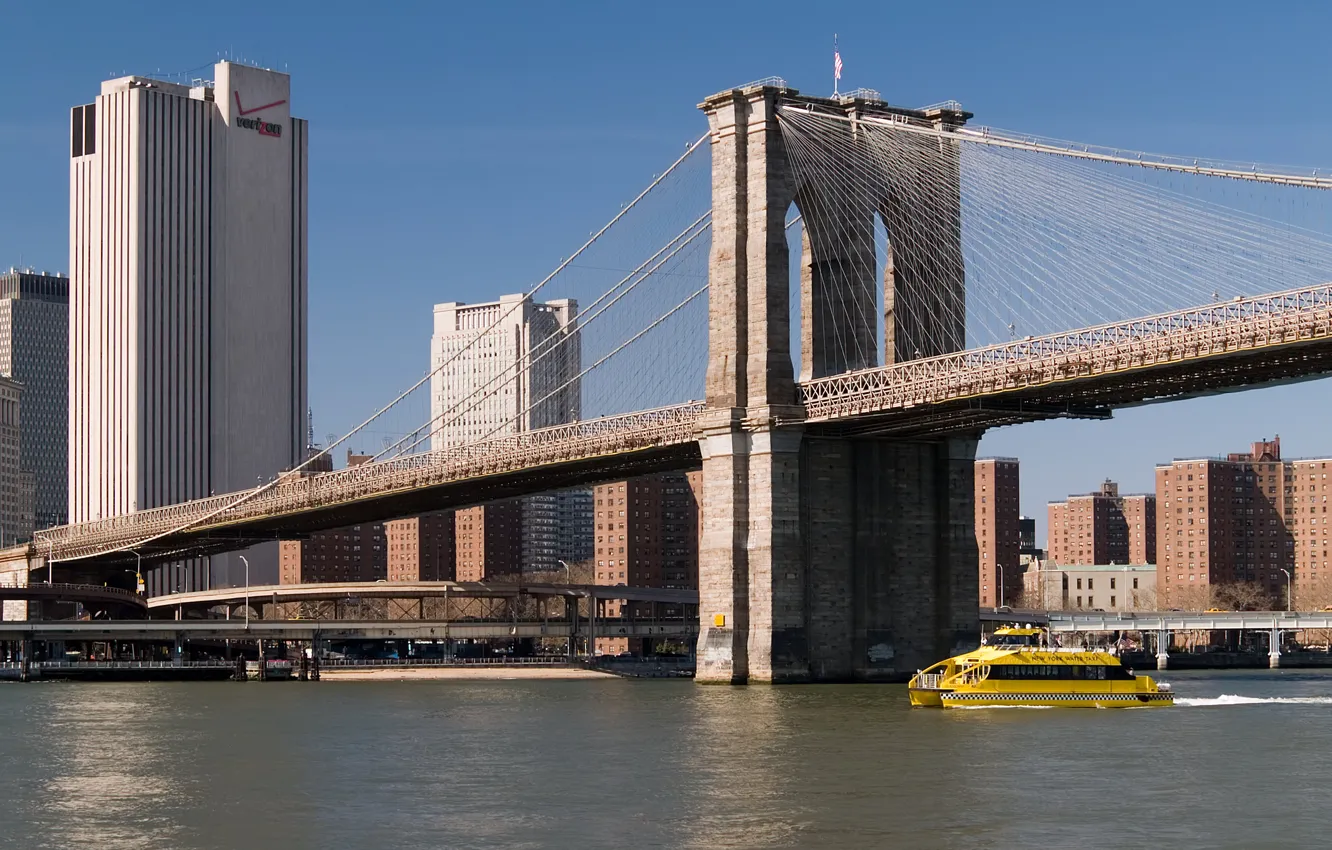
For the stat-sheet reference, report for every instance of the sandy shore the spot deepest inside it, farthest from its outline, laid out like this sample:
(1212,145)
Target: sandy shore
(472,673)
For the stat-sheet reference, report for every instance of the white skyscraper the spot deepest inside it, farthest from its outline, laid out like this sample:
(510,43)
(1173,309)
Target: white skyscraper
(187,328)
(512,365)
(506,377)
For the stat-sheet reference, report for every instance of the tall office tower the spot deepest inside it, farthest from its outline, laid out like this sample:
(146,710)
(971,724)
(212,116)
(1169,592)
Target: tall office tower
(1103,528)
(1228,522)
(34,350)
(998,532)
(510,365)
(16,490)
(187,371)
(647,535)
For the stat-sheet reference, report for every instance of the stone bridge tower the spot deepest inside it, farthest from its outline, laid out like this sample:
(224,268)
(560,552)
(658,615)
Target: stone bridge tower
(826,555)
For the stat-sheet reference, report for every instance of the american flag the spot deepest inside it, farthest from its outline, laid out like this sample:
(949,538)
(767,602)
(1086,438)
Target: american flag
(837,65)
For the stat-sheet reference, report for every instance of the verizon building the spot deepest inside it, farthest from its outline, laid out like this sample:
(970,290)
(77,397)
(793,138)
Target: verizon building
(187,331)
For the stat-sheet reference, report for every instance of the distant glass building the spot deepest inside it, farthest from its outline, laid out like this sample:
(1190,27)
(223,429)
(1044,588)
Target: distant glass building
(34,351)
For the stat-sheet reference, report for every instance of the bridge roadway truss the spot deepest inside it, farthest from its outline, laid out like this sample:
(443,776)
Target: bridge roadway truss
(1248,342)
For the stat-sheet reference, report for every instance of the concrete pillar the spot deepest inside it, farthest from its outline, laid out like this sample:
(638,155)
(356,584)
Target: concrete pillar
(1162,650)
(1274,648)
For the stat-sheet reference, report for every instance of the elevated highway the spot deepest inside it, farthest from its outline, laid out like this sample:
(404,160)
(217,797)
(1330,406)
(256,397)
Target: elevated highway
(325,630)
(286,593)
(100,598)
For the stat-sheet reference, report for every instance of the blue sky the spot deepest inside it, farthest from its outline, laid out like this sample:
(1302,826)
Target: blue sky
(457,150)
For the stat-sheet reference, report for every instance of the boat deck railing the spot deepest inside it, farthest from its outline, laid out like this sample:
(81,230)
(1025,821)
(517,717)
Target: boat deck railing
(928,681)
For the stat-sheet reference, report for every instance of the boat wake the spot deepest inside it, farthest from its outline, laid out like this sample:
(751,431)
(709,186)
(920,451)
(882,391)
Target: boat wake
(1234,699)
(993,707)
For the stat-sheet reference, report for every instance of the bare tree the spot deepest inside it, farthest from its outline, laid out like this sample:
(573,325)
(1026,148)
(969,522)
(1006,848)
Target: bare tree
(1194,597)
(1242,596)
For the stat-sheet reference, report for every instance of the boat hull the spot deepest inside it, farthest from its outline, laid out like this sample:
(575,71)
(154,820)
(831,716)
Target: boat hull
(976,699)
(926,697)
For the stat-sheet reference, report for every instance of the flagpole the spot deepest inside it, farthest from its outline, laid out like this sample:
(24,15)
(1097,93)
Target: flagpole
(836,76)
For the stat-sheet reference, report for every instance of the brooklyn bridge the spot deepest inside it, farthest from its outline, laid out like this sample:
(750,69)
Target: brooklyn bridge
(823,304)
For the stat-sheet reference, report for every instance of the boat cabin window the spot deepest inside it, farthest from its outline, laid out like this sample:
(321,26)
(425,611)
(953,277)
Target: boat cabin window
(1014,640)
(1059,671)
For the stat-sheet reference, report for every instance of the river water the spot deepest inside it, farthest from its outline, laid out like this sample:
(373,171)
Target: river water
(1245,761)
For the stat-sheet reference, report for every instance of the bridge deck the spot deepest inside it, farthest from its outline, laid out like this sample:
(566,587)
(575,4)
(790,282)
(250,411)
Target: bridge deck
(1272,338)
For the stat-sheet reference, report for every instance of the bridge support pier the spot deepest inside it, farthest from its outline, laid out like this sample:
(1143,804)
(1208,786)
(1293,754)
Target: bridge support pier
(1162,650)
(824,558)
(890,543)
(1274,649)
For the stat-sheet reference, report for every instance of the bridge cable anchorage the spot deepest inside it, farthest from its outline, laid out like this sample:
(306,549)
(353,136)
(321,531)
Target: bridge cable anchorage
(1024,242)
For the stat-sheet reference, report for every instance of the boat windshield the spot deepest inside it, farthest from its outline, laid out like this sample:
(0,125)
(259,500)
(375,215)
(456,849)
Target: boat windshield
(1013,640)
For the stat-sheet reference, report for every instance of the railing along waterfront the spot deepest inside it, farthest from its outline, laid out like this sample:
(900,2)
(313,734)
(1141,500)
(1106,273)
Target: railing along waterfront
(1244,324)
(498,661)
(663,426)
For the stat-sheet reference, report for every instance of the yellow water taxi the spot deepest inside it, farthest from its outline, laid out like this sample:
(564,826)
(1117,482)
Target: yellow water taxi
(1020,667)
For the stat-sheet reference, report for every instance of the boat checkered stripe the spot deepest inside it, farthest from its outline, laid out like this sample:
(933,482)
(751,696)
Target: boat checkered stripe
(981,697)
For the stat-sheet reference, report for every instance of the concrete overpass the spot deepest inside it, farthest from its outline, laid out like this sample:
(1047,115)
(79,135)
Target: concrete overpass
(95,598)
(1182,621)
(287,593)
(326,630)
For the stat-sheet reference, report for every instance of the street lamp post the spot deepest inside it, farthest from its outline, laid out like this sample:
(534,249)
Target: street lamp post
(246,562)
(566,570)
(1001,584)
(138,572)
(1287,572)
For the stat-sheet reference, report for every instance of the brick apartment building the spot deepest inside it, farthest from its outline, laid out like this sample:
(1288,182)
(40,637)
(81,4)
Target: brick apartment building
(1250,519)
(489,540)
(998,530)
(647,531)
(422,548)
(352,553)
(1103,528)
